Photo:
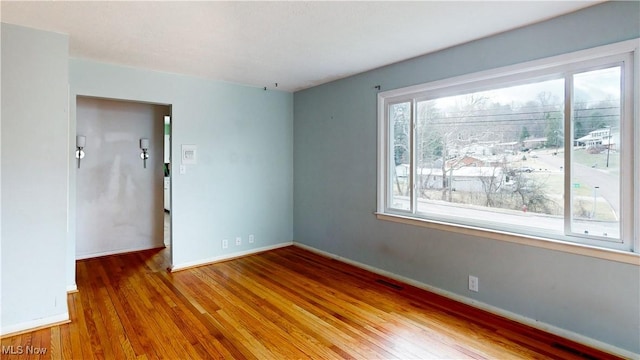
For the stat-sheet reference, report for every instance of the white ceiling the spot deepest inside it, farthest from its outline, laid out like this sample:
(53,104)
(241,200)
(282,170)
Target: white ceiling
(294,44)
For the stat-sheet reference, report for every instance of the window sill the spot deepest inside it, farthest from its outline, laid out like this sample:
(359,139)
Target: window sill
(577,249)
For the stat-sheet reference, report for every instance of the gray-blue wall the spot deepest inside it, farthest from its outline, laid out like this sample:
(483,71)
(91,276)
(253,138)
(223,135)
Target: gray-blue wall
(335,191)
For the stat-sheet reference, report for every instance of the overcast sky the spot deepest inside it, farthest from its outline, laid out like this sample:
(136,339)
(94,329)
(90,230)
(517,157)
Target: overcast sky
(593,86)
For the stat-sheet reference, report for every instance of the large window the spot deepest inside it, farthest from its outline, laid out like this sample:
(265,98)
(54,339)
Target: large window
(544,149)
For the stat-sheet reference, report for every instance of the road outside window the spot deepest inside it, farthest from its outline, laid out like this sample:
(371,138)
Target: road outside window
(541,152)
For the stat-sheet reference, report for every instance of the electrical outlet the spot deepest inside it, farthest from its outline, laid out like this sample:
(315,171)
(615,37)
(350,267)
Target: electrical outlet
(473,283)
(238,241)
(225,243)
(251,239)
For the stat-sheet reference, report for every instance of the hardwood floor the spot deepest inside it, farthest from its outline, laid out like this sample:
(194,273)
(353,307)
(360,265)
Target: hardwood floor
(282,304)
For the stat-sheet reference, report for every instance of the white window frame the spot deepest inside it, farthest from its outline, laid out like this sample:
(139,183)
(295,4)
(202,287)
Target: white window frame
(628,51)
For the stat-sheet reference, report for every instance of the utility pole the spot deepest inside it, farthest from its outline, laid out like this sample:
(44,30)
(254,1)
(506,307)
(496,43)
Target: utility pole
(608,144)
(595,191)
(608,150)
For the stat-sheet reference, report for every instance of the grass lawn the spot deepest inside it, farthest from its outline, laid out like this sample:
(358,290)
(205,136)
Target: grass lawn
(583,195)
(550,176)
(581,156)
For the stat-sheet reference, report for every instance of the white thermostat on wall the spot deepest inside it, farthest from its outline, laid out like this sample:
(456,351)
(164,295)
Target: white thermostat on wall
(189,155)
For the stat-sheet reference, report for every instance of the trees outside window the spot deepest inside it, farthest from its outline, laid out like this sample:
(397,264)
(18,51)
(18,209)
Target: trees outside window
(538,151)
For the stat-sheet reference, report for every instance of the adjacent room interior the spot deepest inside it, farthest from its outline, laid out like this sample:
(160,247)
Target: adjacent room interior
(120,200)
(320,180)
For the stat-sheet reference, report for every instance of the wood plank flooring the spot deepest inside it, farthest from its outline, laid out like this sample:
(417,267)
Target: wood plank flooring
(282,304)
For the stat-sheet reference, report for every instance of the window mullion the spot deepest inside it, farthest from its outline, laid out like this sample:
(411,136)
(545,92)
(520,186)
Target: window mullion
(413,125)
(388,156)
(629,205)
(568,144)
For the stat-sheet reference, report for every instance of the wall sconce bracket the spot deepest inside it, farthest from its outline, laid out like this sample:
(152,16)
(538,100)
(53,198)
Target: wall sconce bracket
(144,145)
(81,142)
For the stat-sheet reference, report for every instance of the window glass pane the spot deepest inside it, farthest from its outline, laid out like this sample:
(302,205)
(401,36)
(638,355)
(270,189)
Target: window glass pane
(494,156)
(595,180)
(400,123)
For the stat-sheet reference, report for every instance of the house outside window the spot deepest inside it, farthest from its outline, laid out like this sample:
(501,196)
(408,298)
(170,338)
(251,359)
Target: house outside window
(544,149)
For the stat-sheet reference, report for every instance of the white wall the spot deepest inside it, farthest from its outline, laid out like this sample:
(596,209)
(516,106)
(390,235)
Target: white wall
(243,181)
(119,203)
(241,185)
(34,178)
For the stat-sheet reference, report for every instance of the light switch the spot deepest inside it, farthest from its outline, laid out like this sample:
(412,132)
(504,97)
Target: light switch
(189,154)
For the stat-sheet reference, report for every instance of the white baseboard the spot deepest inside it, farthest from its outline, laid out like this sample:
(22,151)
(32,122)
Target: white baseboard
(34,324)
(115,252)
(567,334)
(224,257)
(72,288)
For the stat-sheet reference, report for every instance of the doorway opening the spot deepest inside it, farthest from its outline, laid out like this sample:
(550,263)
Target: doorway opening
(167,180)
(120,179)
